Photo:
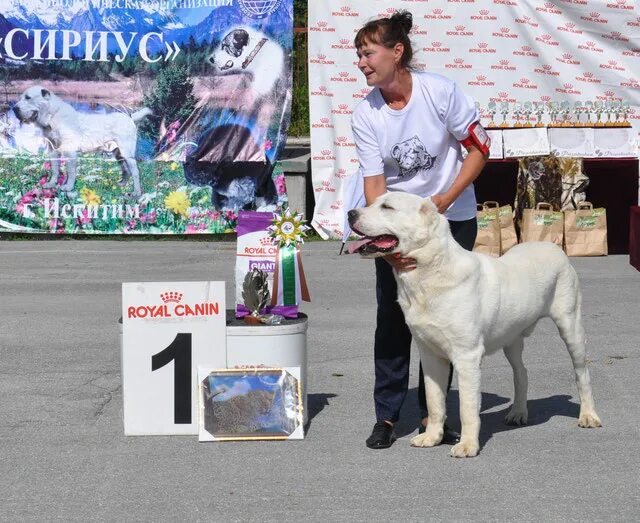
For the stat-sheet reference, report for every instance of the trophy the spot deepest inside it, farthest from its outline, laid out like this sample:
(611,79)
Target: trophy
(565,112)
(504,111)
(625,113)
(598,109)
(588,107)
(538,109)
(491,111)
(517,113)
(256,296)
(528,109)
(553,113)
(577,111)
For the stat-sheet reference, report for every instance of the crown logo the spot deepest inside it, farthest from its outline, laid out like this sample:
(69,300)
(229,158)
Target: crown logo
(526,48)
(545,98)
(326,152)
(343,107)
(504,29)
(483,45)
(504,62)
(459,27)
(546,67)
(524,80)
(436,44)
(568,86)
(613,62)
(546,37)
(503,94)
(484,12)
(549,5)
(481,78)
(609,93)
(567,56)
(344,74)
(266,240)
(570,25)
(322,23)
(591,44)
(588,75)
(437,11)
(171,297)
(458,60)
(594,14)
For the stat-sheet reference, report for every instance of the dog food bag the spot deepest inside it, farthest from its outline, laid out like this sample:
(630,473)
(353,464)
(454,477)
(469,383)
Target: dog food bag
(255,249)
(542,224)
(488,237)
(585,231)
(508,236)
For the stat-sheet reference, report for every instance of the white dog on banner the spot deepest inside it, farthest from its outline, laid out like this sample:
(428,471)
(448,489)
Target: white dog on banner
(69,132)
(461,305)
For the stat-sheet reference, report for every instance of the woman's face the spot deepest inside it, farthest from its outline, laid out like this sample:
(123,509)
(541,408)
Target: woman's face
(378,63)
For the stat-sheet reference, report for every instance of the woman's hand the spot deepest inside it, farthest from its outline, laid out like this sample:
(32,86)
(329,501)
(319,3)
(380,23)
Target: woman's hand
(399,263)
(442,202)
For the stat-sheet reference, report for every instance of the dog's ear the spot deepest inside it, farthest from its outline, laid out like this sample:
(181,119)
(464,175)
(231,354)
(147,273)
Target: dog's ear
(428,206)
(394,152)
(45,93)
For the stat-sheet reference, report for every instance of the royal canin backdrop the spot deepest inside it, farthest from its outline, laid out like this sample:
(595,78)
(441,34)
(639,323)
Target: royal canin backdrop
(496,50)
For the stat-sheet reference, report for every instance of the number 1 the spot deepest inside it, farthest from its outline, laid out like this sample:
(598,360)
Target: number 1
(180,353)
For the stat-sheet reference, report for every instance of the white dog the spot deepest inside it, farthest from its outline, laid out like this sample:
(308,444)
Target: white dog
(69,132)
(460,305)
(245,50)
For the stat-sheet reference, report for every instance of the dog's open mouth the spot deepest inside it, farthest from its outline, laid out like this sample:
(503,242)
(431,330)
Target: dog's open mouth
(375,244)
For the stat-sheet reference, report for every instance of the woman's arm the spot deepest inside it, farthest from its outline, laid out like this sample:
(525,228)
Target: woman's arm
(471,168)
(374,186)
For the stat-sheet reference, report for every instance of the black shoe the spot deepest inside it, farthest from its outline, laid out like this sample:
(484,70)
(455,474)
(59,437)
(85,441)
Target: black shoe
(382,436)
(450,436)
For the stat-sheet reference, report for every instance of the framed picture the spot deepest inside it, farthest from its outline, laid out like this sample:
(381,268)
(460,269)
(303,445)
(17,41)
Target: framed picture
(254,403)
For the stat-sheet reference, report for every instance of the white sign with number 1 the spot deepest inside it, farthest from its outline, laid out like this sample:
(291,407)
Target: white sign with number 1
(169,330)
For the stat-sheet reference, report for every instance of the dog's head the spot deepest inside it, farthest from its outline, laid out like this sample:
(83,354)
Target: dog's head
(395,223)
(232,52)
(33,102)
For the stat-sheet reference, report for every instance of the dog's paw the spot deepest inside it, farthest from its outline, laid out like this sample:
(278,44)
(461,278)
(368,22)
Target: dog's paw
(516,417)
(465,449)
(427,439)
(589,420)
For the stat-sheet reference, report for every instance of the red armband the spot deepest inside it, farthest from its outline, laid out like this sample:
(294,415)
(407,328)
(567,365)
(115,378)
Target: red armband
(477,137)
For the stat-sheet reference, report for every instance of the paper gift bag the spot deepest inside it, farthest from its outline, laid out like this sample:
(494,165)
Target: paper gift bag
(585,231)
(488,237)
(508,236)
(542,224)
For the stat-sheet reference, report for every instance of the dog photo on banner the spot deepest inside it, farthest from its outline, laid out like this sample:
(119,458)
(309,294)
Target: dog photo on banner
(148,117)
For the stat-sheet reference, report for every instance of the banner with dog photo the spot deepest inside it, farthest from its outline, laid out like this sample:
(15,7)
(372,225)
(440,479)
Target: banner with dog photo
(150,116)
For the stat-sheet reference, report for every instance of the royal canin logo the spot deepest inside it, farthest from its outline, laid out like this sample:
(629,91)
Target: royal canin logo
(343,141)
(324,123)
(340,174)
(266,241)
(613,65)
(589,78)
(344,43)
(506,2)
(505,32)
(575,2)
(325,187)
(322,91)
(615,35)
(344,76)
(525,83)
(632,52)
(484,14)
(547,40)
(322,26)
(418,30)
(527,21)
(568,89)
(354,159)
(387,13)
(567,58)
(483,47)
(503,65)
(569,27)
(481,81)
(549,7)
(437,14)
(460,31)
(171,307)
(546,69)
(634,23)
(632,84)
(594,17)
(336,205)
(503,96)
(325,154)
(526,50)
(436,47)
(345,11)
(461,1)
(591,46)
(362,93)
(458,63)
(620,4)
(342,109)
(321,59)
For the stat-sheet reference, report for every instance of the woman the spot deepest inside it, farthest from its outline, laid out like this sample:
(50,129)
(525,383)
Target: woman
(408,133)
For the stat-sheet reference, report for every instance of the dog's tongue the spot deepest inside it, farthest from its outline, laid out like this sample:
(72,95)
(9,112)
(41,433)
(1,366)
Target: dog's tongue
(353,247)
(381,242)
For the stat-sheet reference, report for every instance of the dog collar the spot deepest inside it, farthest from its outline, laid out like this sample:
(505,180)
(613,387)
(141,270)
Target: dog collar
(253,53)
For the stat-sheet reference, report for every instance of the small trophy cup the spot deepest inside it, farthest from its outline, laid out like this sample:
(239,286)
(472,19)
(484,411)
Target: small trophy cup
(538,109)
(528,108)
(625,114)
(504,111)
(577,111)
(491,112)
(256,296)
(553,112)
(598,109)
(565,111)
(588,108)
(517,114)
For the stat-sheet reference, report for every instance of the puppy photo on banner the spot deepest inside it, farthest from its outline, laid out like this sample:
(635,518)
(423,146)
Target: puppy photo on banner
(127,119)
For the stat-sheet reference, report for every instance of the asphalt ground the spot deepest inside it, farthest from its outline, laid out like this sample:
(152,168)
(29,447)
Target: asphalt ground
(65,456)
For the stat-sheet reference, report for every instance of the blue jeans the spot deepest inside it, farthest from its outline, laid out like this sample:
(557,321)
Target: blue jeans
(392,347)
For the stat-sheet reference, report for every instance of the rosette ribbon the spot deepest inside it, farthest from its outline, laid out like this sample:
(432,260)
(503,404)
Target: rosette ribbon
(289,284)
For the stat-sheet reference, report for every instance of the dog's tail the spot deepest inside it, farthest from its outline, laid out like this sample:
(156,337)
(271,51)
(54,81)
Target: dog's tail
(141,114)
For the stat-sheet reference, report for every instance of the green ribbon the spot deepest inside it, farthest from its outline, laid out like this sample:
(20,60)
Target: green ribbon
(287,259)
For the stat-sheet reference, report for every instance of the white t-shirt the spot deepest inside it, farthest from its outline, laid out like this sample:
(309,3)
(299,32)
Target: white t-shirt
(417,147)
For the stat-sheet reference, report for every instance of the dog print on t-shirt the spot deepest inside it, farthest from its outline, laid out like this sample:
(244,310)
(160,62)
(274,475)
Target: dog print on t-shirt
(412,156)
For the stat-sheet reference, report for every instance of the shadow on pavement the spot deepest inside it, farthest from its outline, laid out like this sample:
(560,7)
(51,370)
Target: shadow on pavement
(315,404)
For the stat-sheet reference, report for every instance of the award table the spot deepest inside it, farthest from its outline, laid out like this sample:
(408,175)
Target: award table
(613,184)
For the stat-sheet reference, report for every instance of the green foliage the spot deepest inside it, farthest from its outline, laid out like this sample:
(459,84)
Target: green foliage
(300,96)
